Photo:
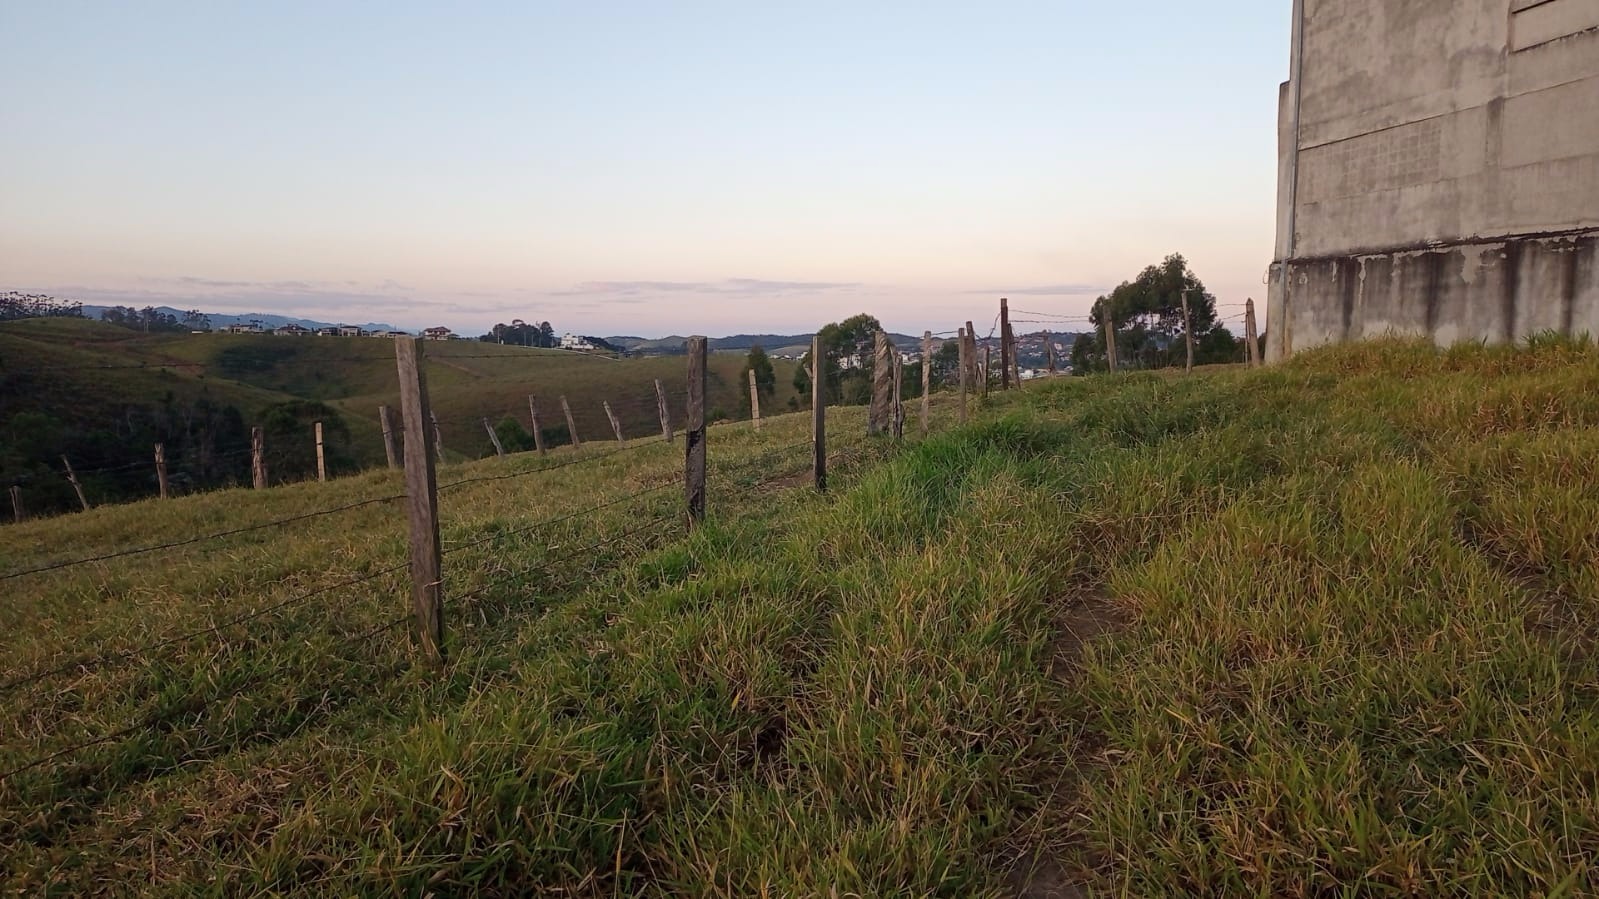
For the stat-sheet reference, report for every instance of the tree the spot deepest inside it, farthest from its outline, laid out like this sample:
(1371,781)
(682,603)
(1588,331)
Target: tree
(765,376)
(848,361)
(1147,314)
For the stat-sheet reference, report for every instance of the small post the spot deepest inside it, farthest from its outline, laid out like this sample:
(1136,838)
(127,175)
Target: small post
(616,423)
(571,423)
(666,416)
(18,514)
(1252,354)
(390,451)
(694,433)
(1049,350)
(1110,342)
(438,436)
(818,416)
(755,401)
(258,469)
(1004,344)
(538,428)
(988,372)
(321,458)
(1015,357)
(971,353)
(927,380)
(1188,334)
(421,488)
(494,438)
(882,387)
(897,408)
(965,371)
(161,470)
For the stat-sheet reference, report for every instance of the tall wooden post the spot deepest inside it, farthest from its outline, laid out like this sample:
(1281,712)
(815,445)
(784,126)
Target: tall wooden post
(755,401)
(161,471)
(1188,334)
(321,457)
(927,380)
(1004,344)
(616,423)
(1251,337)
(1015,356)
(18,514)
(971,353)
(438,437)
(694,433)
(965,371)
(1049,350)
(571,423)
(897,407)
(494,438)
(422,492)
(666,415)
(538,427)
(1110,342)
(258,467)
(390,451)
(818,414)
(878,414)
(988,361)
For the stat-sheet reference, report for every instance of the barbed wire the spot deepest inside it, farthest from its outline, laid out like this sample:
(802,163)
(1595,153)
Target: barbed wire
(567,557)
(559,519)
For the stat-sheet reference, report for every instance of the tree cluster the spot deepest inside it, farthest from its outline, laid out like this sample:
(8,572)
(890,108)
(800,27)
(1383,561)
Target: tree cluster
(1147,314)
(521,333)
(155,321)
(18,305)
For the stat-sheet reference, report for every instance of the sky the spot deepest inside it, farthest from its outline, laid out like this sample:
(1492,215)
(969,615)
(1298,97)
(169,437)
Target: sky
(635,168)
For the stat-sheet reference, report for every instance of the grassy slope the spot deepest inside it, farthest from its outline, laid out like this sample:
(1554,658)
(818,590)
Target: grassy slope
(1353,603)
(469,380)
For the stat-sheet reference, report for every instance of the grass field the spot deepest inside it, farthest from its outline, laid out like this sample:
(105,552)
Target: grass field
(1321,629)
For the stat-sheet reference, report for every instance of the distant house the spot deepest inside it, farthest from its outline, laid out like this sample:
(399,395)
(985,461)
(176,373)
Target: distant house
(292,330)
(391,334)
(244,328)
(574,342)
(438,333)
(327,332)
(351,331)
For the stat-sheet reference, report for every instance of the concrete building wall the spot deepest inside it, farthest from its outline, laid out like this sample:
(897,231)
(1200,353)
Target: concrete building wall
(1439,172)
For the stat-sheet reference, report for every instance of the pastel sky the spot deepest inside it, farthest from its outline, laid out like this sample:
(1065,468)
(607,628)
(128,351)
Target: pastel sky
(632,167)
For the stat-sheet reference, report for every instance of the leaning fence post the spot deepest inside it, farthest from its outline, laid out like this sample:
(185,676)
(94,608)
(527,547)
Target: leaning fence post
(72,477)
(694,433)
(1188,335)
(18,514)
(258,469)
(927,379)
(819,413)
(616,423)
(897,408)
(1250,335)
(755,401)
(538,428)
(571,423)
(1004,343)
(666,416)
(438,437)
(161,470)
(421,488)
(321,459)
(494,438)
(390,451)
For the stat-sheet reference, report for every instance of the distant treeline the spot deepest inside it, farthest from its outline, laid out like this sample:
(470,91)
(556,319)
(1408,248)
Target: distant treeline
(15,305)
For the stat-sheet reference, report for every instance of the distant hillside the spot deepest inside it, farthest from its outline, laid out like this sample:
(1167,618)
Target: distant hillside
(221,320)
(772,343)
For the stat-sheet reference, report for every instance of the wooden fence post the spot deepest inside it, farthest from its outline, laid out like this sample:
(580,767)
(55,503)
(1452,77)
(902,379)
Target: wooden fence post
(1188,335)
(321,458)
(897,408)
(1015,356)
(818,415)
(988,367)
(694,433)
(18,514)
(258,467)
(390,451)
(927,380)
(965,371)
(971,354)
(494,438)
(538,427)
(421,488)
(1004,344)
(1049,348)
(438,437)
(666,415)
(878,416)
(1252,354)
(161,470)
(1110,342)
(755,401)
(616,423)
(571,423)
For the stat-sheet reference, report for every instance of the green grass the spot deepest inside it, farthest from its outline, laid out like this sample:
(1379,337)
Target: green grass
(1343,615)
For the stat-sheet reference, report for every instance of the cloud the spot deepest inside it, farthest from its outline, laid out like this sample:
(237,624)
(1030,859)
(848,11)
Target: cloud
(1043,290)
(730,287)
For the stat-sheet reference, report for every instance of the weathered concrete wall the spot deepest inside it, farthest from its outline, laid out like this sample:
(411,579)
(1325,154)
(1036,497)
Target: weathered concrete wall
(1441,169)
